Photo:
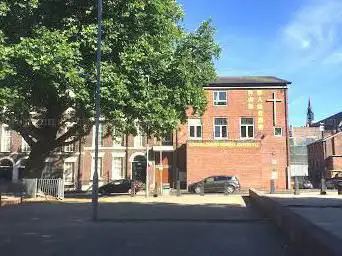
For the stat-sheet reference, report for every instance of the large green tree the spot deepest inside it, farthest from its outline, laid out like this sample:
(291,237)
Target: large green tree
(48,64)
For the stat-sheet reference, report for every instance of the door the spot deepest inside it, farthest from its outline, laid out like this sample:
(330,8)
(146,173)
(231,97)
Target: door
(219,183)
(209,185)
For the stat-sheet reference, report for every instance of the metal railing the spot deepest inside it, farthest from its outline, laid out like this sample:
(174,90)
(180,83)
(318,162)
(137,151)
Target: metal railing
(44,187)
(51,187)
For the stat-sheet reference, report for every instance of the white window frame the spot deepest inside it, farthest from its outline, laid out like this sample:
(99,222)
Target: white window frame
(114,169)
(139,140)
(221,138)
(25,147)
(117,139)
(195,123)
(69,148)
(101,141)
(100,162)
(247,126)
(215,102)
(69,182)
(281,131)
(6,139)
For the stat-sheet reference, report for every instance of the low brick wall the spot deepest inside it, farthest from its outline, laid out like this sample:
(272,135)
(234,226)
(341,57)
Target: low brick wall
(309,238)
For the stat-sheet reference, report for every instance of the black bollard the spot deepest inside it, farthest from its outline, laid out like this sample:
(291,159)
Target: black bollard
(272,189)
(178,188)
(202,188)
(339,187)
(296,191)
(323,186)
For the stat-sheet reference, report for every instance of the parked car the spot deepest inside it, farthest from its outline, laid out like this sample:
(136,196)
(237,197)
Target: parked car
(216,184)
(305,184)
(120,186)
(332,183)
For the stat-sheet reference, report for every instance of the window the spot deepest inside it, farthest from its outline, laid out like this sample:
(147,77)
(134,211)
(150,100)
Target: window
(100,135)
(69,148)
(278,131)
(117,140)
(117,168)
(220,98)
(139,141)
(167,140)
(220,178)
(209,180)
(24,146)
(220,128)
(5,138)
(69,172)
(247,128)
(99,168)
(195,128)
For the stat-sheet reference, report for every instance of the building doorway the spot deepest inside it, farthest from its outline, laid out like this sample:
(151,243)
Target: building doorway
(6,169)
(139,168)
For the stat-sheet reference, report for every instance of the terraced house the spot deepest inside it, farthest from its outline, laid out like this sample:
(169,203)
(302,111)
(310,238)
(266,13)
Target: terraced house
(243,132)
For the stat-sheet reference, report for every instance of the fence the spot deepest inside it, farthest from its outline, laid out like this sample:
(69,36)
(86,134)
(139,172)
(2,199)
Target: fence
(44,187)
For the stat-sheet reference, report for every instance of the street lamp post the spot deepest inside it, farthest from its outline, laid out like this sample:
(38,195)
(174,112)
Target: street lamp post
(97,112)
(147,183)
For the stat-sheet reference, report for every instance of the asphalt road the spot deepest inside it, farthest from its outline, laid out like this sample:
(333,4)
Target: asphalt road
(138,229)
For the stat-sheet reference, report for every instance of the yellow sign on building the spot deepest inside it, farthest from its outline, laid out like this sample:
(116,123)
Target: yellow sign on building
(250,99)
(229,144)
(260,108)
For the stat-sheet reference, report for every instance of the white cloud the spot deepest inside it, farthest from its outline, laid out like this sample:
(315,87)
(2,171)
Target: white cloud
(313,33)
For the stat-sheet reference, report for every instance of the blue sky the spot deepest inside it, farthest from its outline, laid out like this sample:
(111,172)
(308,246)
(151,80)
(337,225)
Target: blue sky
(298,40)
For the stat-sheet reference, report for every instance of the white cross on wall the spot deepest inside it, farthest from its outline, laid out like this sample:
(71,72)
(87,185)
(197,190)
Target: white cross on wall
(275,101)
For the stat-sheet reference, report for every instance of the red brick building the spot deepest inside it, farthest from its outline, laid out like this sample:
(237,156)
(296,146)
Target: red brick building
(243,132)
(325,157)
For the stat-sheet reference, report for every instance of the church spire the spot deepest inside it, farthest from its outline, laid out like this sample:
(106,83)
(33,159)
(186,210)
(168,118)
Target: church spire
(309,114)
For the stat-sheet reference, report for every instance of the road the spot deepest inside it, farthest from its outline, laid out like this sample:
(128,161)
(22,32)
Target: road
(132,228)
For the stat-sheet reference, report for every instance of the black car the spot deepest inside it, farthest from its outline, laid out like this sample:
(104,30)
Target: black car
(120,186)
(216,184)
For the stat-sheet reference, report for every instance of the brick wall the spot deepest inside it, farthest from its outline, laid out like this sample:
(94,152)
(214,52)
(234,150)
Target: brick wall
(325,155)
(253,166)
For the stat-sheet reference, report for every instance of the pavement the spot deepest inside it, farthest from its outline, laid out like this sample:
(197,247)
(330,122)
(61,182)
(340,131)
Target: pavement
(186,225)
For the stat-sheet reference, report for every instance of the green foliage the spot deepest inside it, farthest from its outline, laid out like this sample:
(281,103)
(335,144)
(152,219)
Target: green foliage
(48,65)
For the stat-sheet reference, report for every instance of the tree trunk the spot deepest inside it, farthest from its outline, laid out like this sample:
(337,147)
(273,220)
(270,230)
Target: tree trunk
(36,162)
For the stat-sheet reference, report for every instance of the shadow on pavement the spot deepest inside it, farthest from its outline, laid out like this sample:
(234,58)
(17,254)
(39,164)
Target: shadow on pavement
(132,228)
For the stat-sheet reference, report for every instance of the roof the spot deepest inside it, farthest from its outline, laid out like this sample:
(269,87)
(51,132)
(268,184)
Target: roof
(248,81)
(331,122)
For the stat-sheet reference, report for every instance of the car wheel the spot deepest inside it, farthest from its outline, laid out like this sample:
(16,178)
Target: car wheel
(130,191)
(229,189)
(197,190)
